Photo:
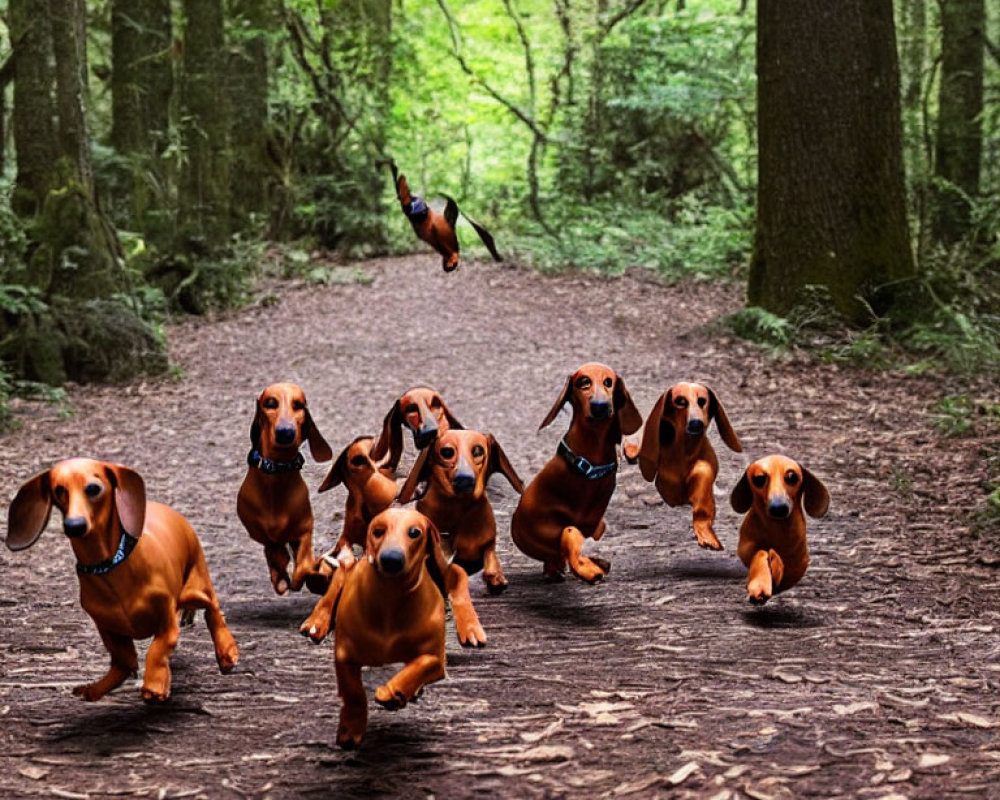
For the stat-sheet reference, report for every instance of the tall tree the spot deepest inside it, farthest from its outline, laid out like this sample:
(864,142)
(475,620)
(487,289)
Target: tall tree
(959,136)
(831,205)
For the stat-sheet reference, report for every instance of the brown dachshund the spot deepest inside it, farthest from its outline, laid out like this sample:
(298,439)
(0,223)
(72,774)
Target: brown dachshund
(774,490)
(273,503)
(457,467)
(420,409)
(676,454)
(565,502)
(437,229)
(138,563)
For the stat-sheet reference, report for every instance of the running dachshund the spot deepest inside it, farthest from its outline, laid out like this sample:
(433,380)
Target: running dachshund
(456,467)
(420,409)
(434,228)
(677,456)
(139,563)
(565,502)
(273,502)
(778,493)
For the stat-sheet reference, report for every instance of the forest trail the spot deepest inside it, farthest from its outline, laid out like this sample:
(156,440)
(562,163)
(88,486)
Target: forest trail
(876,676)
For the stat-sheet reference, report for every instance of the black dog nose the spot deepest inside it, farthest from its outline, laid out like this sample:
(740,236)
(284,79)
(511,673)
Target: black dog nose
(779,509)
(425,436)
(695,427)
(284,434)
(74,527)
(392,561)
(463,483)
(600,409)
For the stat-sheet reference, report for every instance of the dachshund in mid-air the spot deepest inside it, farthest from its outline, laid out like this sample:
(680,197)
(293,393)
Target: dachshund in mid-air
(436,229)
(677,456)
(777,493)
(139,563)
(565,502)
(420,409)
(273,502)
(456,467)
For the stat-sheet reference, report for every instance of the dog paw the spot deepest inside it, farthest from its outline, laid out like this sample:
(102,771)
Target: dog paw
(389,699)
(228,659)
(281,587)
(708,540)
(349,737)
(474,636)
(758,599)
(602,563)
(315,630)
(88,692)
(495,585)
(152,696)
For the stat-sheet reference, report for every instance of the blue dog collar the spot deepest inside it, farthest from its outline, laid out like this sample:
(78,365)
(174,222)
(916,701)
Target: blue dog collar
(125,546)
(581,466)
(270,467)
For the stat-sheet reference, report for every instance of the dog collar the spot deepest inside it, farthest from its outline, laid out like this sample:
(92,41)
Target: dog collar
(271,467)
(580,465)
(125,546)
(417,209)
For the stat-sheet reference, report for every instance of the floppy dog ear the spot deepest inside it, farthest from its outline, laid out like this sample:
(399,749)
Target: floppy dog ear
(391,439)
(318,448)
(255,426)
(817,498)
(649,450)
(452,421)
(563,399)
(742,495)
(337,472)
(718,413)
(437,564)
(29,512)
(629,418)
(130,497)
(419,472)
(500,463)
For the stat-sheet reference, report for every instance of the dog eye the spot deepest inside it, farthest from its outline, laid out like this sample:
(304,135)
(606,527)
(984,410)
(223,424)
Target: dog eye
(435,402)
(478,451)
(681,402)
(378,533)
(410,409)
(791,477)
(702,401)
(583,383)
(358,461)
(298,405)
(60,493)
(93,489)
(609,382)
(414,532)
(447,452)
(270,402)
(759,480)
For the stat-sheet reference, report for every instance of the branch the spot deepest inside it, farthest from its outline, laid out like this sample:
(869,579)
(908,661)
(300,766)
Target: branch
(992,49)
(529,62)
(624,13)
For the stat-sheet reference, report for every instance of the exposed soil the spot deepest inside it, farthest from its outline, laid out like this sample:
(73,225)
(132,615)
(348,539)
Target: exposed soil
(876,676)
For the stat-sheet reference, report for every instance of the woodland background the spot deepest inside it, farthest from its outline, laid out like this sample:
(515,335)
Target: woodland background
(158,157)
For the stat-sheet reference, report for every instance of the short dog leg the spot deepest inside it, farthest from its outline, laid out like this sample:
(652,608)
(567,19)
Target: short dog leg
(493,572)
(599,530)
(124,664)
(554,570)
(156,678)
(402,686)
(571,547)
(318,623)
(777,567)
(700,491)
(760,586)
(198,592)
(277,563)
(353,705)
(470,631)
(305,560)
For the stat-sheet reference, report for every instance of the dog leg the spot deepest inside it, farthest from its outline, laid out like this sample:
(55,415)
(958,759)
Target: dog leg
(404,685)
(699,487)
(777,567)
(198,592)
(305,560)
(554,570)
(492,571)
(318,623)
(124,664)
(277,563)
(760,585)
(353,705)
(571,547)
(599,530)
(156,678)
(470,631)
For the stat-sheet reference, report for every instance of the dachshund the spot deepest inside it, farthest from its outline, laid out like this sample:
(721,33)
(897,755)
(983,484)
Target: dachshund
(423,411)
(138,563)
(675,452)
(457,466)
(434,228)
(565,502)
(775,490)
(273,502)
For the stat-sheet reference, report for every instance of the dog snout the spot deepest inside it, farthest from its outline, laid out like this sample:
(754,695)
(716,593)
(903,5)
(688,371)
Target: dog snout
(392,561)
(779,508)
(284,434)
(426,434)
(696,426)
(75,527)
(600,408)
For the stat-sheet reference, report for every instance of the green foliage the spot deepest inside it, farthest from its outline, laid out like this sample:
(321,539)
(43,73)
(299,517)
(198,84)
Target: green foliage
(961,415)
(759,325)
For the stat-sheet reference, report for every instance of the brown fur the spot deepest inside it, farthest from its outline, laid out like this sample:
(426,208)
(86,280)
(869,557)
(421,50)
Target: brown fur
(423,412)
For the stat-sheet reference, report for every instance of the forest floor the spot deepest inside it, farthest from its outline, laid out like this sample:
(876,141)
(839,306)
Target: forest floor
(876,676)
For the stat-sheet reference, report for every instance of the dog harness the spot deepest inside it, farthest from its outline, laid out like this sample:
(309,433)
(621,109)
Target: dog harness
(125,546)
(417,209)
(581,466)
(270,467)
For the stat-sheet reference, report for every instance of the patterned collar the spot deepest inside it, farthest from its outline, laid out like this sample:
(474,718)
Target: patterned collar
(580,465)
(270,467)
(125,546)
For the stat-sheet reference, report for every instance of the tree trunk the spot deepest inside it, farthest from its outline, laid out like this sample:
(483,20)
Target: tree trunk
(959,140)
(831,208)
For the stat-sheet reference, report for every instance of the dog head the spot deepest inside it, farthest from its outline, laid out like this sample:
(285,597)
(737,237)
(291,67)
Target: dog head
(459,463)
(420,409)
(401,542)
(598,396)
(685,409)
(90,494)
(356,469)
(776,488)
(282,423)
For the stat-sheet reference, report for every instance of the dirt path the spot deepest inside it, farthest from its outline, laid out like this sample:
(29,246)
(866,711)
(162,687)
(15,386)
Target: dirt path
(876,676)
